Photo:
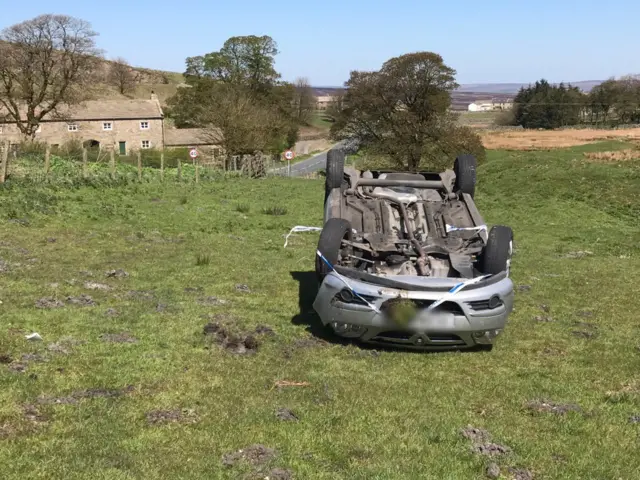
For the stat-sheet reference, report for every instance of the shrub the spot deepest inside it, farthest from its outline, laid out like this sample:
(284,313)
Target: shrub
(203,259)
(243,208)
(275,210)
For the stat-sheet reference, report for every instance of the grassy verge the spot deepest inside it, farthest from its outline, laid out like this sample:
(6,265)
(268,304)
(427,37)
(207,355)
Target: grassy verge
(125,384)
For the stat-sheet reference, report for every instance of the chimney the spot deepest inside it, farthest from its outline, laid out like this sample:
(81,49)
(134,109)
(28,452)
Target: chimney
(154,97)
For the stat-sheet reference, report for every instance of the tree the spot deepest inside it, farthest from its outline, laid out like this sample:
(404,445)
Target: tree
(232,117)
(44,63)
(304,101)
(547,106)
(248,61)
(235,94)
(401,111)
(122,76)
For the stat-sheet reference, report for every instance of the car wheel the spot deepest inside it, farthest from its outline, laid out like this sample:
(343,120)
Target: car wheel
(465,170)
(497,253)
(330,244)
(335,168)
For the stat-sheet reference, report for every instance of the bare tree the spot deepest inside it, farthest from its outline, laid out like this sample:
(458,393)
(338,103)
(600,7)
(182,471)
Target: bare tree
(45,63)
(304,100)
(123,76)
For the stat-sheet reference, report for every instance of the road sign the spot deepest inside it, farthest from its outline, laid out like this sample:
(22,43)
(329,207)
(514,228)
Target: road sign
(289,155)
(193,153)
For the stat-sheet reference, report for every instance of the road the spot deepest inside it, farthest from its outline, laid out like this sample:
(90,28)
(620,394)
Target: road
(310,165)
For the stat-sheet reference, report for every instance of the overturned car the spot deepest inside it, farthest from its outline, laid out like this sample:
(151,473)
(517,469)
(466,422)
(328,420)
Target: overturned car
(406,259)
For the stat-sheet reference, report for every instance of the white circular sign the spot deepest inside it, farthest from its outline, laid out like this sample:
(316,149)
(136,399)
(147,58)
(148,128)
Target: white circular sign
(289,155)
(193,153)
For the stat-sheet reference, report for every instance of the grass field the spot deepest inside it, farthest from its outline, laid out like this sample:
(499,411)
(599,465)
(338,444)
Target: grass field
(125,384)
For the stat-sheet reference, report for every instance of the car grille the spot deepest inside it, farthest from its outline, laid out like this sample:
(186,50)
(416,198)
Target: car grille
(449,307)
(399,337)
(480,305)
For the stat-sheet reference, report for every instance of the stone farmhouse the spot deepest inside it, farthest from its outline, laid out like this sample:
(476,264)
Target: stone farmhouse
(121,125)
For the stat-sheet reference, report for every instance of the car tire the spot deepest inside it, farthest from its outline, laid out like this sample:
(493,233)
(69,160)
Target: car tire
(335,169)
(330,242)
(465,169)
(497,253)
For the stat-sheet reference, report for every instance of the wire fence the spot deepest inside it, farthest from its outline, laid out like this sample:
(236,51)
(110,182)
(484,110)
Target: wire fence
(40,162)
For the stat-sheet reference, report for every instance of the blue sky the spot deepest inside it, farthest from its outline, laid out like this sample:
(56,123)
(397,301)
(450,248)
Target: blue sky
(492,41)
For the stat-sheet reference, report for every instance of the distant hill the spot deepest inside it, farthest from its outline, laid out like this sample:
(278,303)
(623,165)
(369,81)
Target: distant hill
(512,88)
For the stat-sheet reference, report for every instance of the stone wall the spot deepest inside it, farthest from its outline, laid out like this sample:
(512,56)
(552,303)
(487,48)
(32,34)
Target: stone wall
(128,131)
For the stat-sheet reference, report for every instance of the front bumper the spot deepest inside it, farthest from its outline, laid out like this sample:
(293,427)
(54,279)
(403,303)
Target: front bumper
(464,321)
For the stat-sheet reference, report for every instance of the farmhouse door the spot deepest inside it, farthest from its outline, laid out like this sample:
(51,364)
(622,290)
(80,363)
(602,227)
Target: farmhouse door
(123,148)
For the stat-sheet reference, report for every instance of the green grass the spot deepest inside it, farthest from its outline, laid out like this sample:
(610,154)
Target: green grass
(319,119)
(396,415)
(478,119)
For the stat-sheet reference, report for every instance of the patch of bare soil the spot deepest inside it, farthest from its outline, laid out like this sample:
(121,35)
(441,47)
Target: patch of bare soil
(255,455)
(474,434)
(311,342)
(112,312)
(81,301)
(8,431)
(64,345)
(613,156)
(5,358)
(524,288)
(542,318)
(286,415)
(49,303)
(550,139)
(118,273)
(231,342)
(634,419)
(33,357)
(96,286)
(520,474)
(493,470)
(278,474)
(584,334)
(141,294)
(578,254)
(491,449)
(160,417)
(123,337)
(480,440)
(545,406)
(241,287)
(193,289)
(82,394)
(212,301)
(32,414)
(17,367)
(264,330)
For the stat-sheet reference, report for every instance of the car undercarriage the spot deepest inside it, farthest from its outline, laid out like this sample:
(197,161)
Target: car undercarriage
(411,239)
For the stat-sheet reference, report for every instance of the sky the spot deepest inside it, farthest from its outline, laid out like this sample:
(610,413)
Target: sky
(496,41)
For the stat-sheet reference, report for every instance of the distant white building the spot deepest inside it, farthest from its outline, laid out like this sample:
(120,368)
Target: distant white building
(490,105)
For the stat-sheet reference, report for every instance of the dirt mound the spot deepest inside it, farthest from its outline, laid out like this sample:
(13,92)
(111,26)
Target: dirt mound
(159,417)
(234,343)
(254,454)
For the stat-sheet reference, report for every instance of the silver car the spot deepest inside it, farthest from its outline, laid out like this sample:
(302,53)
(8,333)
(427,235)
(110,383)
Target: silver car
(405,259)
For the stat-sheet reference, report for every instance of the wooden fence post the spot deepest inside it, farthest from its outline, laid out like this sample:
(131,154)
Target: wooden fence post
(162,165)
(112,163)
(85,171)
(4,162)
(179,169)
(47,160)
(139,155)
(195,160)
